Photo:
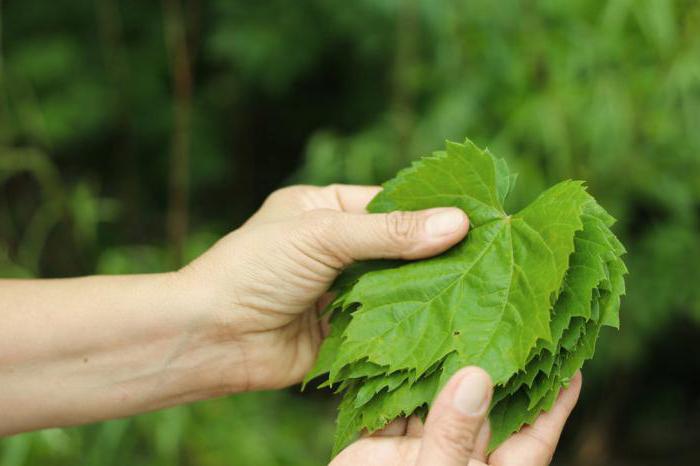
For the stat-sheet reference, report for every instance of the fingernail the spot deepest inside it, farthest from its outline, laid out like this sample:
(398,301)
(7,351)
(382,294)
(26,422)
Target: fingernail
(471,396)
(444,222)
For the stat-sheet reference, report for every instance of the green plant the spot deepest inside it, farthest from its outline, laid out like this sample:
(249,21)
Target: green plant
(524,297)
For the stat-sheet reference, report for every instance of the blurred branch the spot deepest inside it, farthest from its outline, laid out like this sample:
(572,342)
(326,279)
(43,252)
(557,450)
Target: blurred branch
(110,22)
(178,201)
(194,13)
(405,59)
(1,44)
(116,63)
(3,95)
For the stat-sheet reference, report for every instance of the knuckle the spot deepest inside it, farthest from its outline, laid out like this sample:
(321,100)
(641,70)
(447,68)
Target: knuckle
(330,192)
(321,225)
(276,196)
(333,187)
(321,233)
(289,192)
(403,226)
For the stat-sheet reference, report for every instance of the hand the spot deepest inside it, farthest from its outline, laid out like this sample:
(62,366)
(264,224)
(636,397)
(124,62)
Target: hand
(262,283)
(241,317)
(456,432)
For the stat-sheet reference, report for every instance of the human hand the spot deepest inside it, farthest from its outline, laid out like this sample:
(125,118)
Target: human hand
(456,431)
(261,284)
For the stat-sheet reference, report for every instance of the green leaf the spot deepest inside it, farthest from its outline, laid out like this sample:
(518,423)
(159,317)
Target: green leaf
(463,176)
(523,296)
(330,347)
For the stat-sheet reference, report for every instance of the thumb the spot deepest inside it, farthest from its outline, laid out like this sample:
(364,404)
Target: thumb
(455,419)
(396,235)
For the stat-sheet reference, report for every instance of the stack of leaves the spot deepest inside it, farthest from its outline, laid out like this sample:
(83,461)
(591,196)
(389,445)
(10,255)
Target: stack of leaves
(523,296)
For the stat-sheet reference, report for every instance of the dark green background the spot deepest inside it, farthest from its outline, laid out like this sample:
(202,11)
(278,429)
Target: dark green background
(134,133)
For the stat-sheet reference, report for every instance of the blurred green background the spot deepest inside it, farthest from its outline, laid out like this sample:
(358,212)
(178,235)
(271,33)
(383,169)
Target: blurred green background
(133,134)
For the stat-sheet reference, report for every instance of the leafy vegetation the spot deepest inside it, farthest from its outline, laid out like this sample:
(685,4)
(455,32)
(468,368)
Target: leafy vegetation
(524,297)
(322,91)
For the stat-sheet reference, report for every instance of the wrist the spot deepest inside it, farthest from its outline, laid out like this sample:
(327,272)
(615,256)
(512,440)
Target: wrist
(215,351)
(248,351)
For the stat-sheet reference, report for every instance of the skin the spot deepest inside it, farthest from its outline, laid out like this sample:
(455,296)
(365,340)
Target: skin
(243,316)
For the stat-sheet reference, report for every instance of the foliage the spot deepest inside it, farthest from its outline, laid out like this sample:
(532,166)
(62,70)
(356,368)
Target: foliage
(523,297)
(323,91)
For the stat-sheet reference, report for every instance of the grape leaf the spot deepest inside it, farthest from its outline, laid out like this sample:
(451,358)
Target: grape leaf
(523,296)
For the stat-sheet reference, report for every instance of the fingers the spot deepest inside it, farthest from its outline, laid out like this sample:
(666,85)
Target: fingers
(479,455)
(534,445)
(415,429)
(550,424)
(396,235)
(482,442)
(294,200)
(352,198)
(379,451)
(454,422)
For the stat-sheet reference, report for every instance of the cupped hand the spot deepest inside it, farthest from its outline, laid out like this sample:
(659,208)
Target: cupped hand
(262,283)
(456,432)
